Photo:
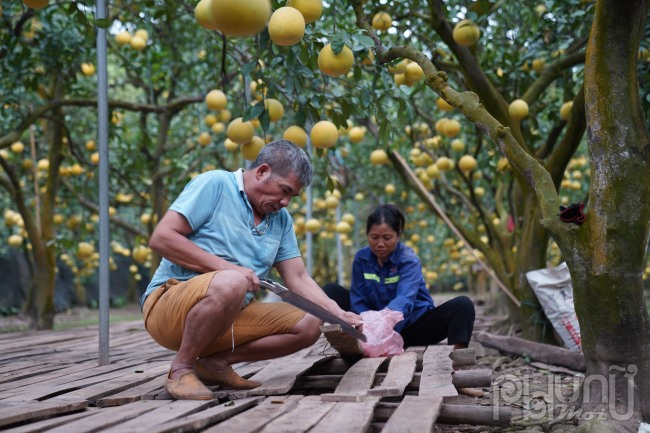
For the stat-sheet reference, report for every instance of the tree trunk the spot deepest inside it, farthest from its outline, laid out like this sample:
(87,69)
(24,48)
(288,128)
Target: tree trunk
(608,259)
(531,255)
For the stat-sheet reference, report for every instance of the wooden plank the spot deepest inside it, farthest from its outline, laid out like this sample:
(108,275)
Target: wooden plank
(116,384)
(348,417)
(20,411)
(161,415)
(92,387)
(105,418)
(347,346)
(437,368)
(132,394)
(303,417)
(206,418)
(254,419)
(399,375)
(61,371)
(277,377)
(414,415)
(356,381)
(47,424)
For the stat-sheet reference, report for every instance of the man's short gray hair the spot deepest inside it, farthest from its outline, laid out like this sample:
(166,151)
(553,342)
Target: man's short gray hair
(285,158)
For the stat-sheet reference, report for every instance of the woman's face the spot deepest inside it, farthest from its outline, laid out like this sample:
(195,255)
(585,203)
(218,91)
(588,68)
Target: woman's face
(382,240)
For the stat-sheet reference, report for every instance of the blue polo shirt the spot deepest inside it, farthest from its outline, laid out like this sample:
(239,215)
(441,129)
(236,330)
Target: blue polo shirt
(398,285)
(221,217)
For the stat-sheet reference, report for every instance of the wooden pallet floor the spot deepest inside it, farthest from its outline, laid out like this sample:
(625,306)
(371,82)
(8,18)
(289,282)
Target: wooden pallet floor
(50,381)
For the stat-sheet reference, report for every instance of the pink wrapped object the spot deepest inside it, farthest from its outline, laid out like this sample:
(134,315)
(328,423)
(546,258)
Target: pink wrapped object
(382,338)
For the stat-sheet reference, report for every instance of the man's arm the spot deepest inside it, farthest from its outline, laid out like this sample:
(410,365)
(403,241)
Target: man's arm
(170,241)
(295,276)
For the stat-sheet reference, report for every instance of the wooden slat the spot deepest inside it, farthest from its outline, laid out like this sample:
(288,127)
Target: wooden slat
(103,419)
(206,418)
(172,411)
(254,419)
(356,381)
(303,417)
(399,375)
(20,411)
(347,346)
(435,379)
(348,417)
(277,377)
(415,414)
(132,394)
(48,424)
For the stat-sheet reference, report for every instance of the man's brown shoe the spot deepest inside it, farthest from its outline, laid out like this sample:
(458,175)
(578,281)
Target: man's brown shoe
(187,387)
(227,378)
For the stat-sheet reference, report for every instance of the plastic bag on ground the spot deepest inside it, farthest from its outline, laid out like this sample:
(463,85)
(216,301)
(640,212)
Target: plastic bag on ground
(554,292)
(382,338)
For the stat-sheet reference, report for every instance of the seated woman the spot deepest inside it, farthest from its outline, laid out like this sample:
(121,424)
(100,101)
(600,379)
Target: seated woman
(388,274)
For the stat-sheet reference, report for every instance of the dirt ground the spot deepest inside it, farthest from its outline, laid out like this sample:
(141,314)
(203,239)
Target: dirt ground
(72,318)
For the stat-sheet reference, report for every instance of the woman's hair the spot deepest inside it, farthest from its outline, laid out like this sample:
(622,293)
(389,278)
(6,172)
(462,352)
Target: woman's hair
(285,158)
(389,214)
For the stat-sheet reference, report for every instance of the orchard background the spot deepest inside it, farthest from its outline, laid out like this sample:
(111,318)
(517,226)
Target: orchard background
(490,115)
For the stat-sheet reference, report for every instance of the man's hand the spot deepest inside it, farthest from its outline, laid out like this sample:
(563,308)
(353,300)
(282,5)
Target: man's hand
(253,280)
(352,318)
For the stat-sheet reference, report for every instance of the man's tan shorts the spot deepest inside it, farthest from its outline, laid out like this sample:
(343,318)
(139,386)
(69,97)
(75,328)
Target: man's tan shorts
(166,308)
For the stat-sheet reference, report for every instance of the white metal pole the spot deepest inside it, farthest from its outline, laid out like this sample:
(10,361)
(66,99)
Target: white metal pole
(102,139)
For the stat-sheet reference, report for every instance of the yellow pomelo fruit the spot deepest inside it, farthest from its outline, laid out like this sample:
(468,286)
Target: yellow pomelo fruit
(17,147)
(467,163)
(218,127)
(356,134)
(137,43)
(451,127)
(91,145)
(225,115)
(381,21)
(538,65)
(399,79)
(311,10)
(378,157)
(565,111)
(88,69)
(518,109)
(210,120)
(335,64)
(240,132)
(324,134)
(275,109)
(413,73)
(479,191)
(36,4)
(230,145)
(443,105)
(204,139)
(216,100)
(466,33)
(286,26)
(312,225)
(296,135)
(123,37)
(444,164)
(241,18)
(84,250)
(457,145)
(390,189)
(343,227)
(140,253)
(43,164)
(142,33)
(204,16)
(348,218)
(251,149)
(15,240)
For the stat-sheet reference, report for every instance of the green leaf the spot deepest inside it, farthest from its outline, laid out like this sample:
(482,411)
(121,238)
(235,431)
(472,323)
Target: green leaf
(365,41)
(254,112)
(337,43)
(248,68)
(103,23)
(265,120)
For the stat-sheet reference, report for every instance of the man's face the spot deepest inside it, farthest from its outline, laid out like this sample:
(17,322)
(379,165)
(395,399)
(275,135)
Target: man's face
(275,192)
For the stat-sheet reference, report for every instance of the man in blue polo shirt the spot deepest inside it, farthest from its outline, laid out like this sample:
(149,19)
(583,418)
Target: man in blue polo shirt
(219,238)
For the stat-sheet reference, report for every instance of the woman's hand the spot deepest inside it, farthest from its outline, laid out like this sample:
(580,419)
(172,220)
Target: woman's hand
(353,319)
